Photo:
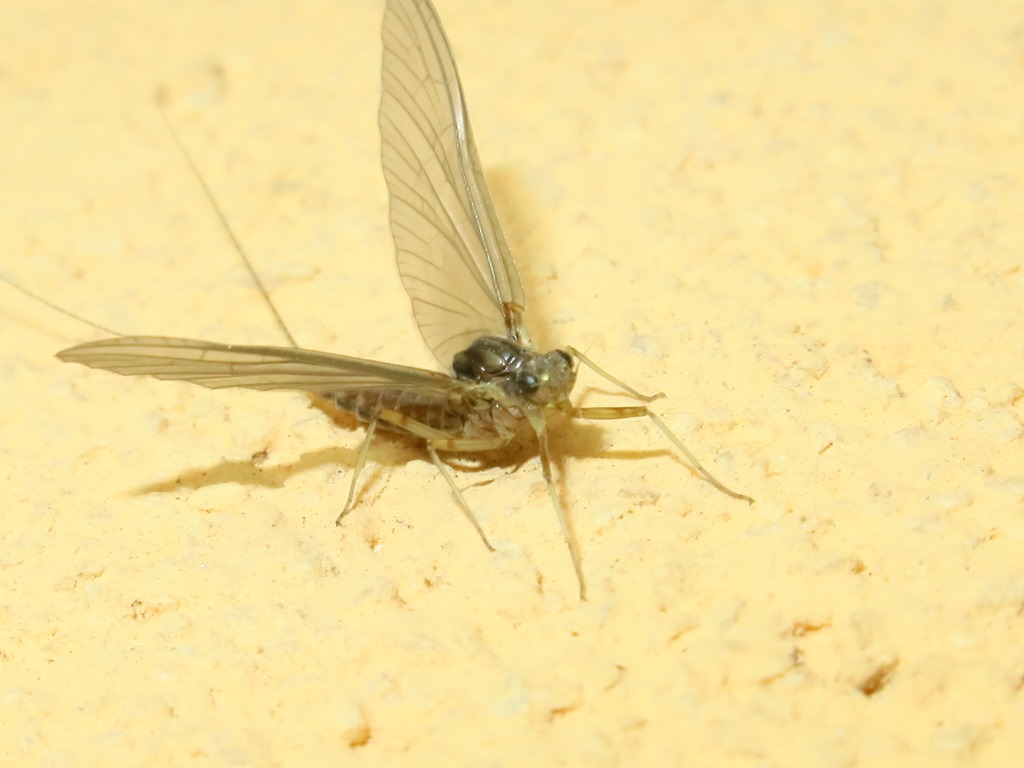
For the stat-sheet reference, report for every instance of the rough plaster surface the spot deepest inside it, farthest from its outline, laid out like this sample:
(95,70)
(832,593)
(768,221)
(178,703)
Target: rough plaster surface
(801,220)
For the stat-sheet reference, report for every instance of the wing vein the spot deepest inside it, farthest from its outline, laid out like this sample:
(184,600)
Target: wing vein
(452,255)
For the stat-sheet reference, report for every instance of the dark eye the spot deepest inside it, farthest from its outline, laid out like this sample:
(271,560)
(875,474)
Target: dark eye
(528,382)
(461,366)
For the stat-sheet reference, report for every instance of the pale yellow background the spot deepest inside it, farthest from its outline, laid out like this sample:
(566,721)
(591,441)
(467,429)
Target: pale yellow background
(801,220)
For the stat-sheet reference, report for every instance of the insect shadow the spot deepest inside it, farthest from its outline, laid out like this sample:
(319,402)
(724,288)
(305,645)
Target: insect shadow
(586,441)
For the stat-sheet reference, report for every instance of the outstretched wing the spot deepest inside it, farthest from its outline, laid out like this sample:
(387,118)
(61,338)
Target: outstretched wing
(217,366)
(452,254)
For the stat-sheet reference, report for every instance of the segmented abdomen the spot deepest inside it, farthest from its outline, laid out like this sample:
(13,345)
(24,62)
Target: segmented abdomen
(449,411)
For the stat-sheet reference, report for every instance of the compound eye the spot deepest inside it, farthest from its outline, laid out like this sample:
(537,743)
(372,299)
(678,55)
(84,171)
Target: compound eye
(528,383)
(461,366)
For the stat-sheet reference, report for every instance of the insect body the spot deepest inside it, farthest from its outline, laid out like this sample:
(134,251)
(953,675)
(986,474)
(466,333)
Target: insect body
(466,294)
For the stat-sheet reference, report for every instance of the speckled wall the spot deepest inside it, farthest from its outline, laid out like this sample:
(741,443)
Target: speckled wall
(800,220)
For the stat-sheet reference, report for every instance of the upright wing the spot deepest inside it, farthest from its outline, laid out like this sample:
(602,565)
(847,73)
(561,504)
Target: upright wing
(452,254)
(217,366)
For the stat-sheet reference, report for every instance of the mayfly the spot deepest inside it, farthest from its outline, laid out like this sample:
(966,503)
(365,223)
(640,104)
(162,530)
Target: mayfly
(466,294)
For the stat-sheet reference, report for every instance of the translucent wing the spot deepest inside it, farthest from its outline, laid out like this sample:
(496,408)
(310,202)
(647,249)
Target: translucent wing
(253,367)
(452,254)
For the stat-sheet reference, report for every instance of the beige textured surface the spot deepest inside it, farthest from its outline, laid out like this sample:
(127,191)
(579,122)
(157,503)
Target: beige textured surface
(801,220)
